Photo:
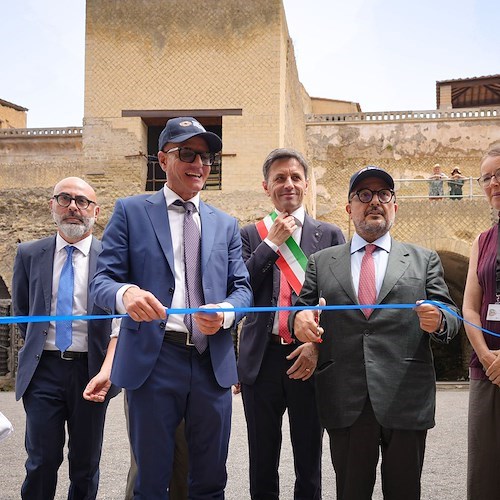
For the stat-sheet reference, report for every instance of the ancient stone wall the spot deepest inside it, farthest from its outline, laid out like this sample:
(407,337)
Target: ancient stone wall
(201,55)
(11,117)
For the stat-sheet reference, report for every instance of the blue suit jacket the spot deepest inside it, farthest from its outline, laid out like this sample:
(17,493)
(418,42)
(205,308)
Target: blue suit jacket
(31,296)
(137,249)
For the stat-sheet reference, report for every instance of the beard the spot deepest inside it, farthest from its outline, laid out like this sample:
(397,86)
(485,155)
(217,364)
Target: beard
(74,231)
(371,230)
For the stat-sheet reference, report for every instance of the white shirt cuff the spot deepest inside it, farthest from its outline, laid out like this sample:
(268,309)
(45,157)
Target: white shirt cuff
(119,306)
(228,316)
(268,242)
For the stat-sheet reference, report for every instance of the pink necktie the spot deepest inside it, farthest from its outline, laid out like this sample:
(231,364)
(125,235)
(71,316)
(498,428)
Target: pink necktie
(367,291)
(285,300)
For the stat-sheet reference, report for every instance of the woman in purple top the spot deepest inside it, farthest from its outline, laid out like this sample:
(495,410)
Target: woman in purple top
(481,307)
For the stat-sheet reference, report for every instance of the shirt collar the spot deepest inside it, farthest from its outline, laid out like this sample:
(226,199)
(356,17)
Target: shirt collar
(82,245)
(171,196)
(358,243)
(299,214)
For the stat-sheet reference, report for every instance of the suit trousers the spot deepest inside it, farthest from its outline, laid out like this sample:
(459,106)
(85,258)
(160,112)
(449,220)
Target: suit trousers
(265,403)
(355,453)
(178,488)
(52,400)
(181,385)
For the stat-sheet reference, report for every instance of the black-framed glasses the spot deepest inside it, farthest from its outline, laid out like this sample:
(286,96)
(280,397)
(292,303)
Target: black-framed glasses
(64,200)
(188,155)
(366,195)
(485,180)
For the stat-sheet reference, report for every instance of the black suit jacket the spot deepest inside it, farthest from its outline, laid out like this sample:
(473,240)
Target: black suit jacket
(31,296)
(260,260)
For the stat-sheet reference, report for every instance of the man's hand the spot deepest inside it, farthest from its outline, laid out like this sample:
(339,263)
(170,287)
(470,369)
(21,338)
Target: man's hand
(142,305)
(283,227)
(429,316)
(209,322)
(306,324)
(305,364)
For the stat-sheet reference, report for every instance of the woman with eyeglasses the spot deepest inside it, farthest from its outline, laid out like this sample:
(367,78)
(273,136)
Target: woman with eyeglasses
(482,307)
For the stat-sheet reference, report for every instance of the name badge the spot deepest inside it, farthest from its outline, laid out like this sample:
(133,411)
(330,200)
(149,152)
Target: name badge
(493,313)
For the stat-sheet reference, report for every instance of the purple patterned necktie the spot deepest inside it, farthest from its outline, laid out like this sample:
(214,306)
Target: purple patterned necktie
(192,264)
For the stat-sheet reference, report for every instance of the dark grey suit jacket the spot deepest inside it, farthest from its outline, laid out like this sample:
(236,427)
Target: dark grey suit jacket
(386,357)
(31,296)
(265,280)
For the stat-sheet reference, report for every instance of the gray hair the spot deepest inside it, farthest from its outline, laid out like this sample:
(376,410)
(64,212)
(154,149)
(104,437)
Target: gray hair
(283,153)
(492,152)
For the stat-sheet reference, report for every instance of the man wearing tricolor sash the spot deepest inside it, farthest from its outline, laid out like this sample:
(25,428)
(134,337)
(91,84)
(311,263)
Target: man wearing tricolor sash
(274,370)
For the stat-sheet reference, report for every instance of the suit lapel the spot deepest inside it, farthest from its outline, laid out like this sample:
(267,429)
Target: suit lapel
(208,230)
(341,269)
(95,249)
(46,266)
(311,234)
(396,266)
(156,207)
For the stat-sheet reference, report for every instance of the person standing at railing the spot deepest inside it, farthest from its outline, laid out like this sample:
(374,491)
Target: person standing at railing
(436,190)
(456,184)
(482,307)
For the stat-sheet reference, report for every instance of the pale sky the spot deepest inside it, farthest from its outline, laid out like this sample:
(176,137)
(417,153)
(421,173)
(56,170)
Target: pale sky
(385,54)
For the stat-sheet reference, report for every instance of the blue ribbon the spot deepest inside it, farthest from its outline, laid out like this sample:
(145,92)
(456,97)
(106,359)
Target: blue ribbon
(41,319)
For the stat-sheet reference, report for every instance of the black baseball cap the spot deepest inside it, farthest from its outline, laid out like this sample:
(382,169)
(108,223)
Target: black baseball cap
(183,128)
(370,171)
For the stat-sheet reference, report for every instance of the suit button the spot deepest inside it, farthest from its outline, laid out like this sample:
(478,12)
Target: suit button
(37,357)
(366,333)
(171,291)
(45,331)
(162,324)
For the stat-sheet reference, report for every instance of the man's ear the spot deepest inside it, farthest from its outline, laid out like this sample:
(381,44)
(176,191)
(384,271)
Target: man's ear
(264,185)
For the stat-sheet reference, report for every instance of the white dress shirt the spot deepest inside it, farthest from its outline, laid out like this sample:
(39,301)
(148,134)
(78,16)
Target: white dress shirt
(380,257)
(81,287)
(175,214)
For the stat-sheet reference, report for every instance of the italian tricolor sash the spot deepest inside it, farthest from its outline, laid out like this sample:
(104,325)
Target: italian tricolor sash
(292,260)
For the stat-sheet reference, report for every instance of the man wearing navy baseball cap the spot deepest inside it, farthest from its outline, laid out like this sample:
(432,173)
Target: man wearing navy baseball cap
(167,251)
(375,379)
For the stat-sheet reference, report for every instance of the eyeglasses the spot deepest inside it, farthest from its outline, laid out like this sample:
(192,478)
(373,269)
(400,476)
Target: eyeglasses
(485,180)
(366,195)
(188,155)
(64,200)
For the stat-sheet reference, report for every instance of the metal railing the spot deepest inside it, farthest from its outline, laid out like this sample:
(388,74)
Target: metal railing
(419,188)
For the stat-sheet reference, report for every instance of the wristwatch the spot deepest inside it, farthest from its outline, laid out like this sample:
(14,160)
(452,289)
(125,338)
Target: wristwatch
(442,325)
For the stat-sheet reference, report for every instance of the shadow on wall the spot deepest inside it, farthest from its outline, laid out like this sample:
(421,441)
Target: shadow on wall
(4,292)
(451,361)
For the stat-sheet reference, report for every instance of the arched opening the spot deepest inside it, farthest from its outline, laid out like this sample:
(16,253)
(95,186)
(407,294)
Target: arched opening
(451,361)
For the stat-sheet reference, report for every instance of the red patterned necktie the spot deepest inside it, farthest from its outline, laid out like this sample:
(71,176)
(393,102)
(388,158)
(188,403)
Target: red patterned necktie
(285,300)
(367,291)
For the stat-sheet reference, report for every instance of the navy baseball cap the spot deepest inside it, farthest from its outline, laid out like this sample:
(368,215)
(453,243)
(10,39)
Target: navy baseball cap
(181,129)
(370,171)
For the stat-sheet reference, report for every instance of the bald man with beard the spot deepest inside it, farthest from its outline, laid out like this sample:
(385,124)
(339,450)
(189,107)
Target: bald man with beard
(51,379)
